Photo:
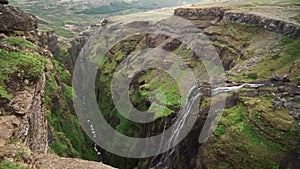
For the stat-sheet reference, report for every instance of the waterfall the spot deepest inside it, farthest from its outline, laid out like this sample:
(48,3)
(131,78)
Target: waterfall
(221,90)
(92,129)
(164,160)
(83,94)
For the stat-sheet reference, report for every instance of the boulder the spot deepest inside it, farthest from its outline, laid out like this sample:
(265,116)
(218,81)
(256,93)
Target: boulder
(276,77)
(14,19)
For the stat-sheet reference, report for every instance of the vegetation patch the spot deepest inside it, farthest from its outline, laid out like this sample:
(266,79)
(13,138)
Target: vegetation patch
(252,76)
(297,18)
(23,65)
(285,62)
(245,135)
(64,33)
(19,42)
(112,8)
(69,140)
(10,165)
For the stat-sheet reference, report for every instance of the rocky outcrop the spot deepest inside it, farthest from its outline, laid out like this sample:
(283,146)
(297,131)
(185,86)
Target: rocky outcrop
(33,127)
(14,19)
(214,14)
(202,17)
(274,25)
(17,152)
(73,51)
(50,161)
(39,38)
(200,13)
(7,127)
(32,87)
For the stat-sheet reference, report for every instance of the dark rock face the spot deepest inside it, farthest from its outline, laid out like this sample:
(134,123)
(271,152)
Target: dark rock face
(202,17)
(200,13)
(278,26)
(14,19)
(291,160)
(53,45)
(75,47)
(216,14)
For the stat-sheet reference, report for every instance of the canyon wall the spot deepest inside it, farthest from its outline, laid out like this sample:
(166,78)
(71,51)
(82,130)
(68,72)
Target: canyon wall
(217,13)
(36,101)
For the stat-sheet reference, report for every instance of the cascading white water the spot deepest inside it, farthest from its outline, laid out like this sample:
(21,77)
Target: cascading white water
(221,90)
(94,135)
(194,94)
(83,93)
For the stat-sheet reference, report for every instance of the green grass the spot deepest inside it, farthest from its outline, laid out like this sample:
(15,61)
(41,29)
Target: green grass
(247,138)
(17,41)
(112,8)
(280,63)
(64,32)
(252,76)
(10,165)
(186,54)
(160,111)
(28,66)
(220,130)
(3,93)
(70,22)
(275,57)
(158,80)
(64,74)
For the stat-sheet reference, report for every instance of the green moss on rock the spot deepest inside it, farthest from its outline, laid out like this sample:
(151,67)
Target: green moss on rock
(19,42)
(251,134)
(24,65)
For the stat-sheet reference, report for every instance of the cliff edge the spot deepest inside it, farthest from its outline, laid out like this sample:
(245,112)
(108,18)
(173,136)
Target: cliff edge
(27,67)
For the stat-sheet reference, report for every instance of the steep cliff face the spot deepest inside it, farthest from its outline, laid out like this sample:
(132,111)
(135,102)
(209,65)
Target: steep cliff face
(23,89)
(35,101)
(74,49)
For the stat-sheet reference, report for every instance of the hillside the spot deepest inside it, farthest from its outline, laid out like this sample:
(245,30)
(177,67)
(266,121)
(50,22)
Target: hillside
(69,17)
(220,78)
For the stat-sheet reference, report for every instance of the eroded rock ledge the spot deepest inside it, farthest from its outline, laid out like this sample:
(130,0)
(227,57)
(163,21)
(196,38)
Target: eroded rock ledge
(217,13)
(14,19)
